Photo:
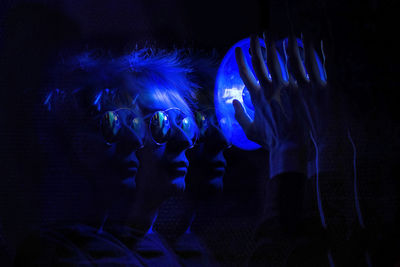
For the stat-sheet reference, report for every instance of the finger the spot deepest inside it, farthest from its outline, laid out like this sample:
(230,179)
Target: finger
(297,68)
(246,74)
(275,63)
(284,63)
(259,66)
(241,116)
(315,62)
(324,76)
(265,48)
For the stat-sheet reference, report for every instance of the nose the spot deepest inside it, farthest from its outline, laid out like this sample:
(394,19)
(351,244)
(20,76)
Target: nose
(179,140)
(218,141)
(129,141)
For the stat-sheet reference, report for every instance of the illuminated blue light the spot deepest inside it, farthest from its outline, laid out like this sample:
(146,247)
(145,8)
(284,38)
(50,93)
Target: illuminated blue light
(283,68)
(97,100)
(229,86)
(247,99)
(47,101)
(53,96)
(301,50)
(321,69)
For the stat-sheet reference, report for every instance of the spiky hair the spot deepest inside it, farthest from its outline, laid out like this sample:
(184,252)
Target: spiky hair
(205,68)
(148,68)
(83,80)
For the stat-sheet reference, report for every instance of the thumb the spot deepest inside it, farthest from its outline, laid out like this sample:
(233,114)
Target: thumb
(241,116)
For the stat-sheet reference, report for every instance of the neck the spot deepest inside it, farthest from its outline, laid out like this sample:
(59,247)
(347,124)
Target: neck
(145,210)
(107,208)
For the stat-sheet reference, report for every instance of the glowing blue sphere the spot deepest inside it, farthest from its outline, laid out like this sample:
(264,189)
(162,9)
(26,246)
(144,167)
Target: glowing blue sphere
(229,86)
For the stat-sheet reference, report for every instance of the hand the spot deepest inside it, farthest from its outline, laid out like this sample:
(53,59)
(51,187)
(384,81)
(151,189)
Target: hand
(278,125)
(321,105)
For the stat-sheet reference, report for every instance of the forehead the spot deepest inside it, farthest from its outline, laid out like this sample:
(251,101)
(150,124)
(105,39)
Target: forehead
(161,98)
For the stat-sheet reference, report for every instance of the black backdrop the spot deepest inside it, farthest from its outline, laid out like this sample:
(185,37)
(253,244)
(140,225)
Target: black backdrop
(364,54)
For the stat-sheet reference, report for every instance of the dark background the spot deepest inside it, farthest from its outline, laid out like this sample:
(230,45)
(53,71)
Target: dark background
(362,52)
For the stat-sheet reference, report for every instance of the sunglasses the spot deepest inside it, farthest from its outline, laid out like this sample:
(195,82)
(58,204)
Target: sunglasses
(160,125)
(112,124)
(207,118)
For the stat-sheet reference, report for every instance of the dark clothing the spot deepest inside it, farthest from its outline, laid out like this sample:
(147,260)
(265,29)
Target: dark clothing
(150,247)
(192,252)
(5,258)
(291,232)
(77,245)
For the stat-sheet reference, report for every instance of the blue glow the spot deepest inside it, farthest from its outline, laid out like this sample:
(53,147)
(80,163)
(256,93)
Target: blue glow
(97,100)
(283,68)
(355,183)
(54,95)
(247,98)
(321,69)
(301,50)
(189,229)
(229,86)
(47,101)
(330,258)
(319,201)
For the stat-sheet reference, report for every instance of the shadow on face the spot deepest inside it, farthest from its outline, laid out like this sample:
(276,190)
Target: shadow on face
(93,150)
(171,132)
(208,164)
(107,149)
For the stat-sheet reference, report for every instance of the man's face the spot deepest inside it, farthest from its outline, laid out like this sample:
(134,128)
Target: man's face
(171,131)
(106,147)
(208,163)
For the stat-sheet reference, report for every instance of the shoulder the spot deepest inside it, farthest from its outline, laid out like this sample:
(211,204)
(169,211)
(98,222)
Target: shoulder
(74,244)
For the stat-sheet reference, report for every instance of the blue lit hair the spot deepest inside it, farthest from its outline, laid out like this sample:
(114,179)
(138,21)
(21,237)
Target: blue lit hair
(205,68)
(146,69)
(87,83)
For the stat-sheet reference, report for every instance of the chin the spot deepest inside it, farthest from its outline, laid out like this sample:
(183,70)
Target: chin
(179,183)
(217,183)
(129,183)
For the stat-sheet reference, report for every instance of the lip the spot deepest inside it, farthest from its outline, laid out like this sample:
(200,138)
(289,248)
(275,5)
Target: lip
(179,168)
(131,164)
(130,172)
(130,168)
(217,168)
(218,164)
(180,164)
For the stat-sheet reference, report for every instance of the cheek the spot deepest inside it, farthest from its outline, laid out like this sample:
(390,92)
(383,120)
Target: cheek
(196,153)
(151,155)
(91,150)
(152,166)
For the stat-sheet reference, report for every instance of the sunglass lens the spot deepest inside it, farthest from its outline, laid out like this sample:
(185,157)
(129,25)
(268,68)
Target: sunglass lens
(110,126)
(188,126)
(202,123)
(160,127)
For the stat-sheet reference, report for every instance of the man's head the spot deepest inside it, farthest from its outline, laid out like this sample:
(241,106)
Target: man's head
(95,122)
(161,82)
(207,158)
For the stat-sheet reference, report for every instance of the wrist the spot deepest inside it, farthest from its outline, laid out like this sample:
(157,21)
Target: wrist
(288,157)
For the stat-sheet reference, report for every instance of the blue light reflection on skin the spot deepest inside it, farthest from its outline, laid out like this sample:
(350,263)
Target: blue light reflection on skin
(283,68)
(321,69)
(229,86)
(300,45)
(320,64)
